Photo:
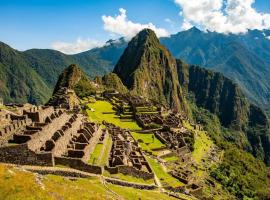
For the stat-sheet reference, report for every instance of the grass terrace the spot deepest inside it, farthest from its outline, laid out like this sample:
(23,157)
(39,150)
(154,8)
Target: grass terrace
(101,152)
(148,141)
(95,155)
(165,178)
(17,184)
(102,107)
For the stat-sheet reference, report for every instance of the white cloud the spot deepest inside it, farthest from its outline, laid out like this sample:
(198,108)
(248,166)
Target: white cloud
(186,25)
(78,46)
(224,16)
(120,25)
(268,37)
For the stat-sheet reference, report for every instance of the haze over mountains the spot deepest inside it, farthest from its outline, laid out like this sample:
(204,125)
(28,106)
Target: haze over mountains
(243,58)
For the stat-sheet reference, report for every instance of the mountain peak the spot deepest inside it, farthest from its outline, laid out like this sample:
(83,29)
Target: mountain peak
(194,29)
(148,69)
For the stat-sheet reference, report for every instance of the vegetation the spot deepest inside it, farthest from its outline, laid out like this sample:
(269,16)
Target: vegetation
(165,178)
(112,82)
(16,184)
(101,107)
(95,155)
(151,70)
(239,172)
(74,78)
(239,57)
(248,125)
(148,141)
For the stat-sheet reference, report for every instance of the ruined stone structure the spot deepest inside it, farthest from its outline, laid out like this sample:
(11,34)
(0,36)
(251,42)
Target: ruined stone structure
(64,98)
(125,156)
(48,136)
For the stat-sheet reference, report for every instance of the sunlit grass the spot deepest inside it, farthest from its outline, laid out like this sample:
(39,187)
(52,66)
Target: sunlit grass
(95,155)
(98,115)
(162,175)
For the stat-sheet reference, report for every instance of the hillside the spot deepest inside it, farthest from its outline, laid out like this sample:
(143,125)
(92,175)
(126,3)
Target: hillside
(18,81)
(222,97)
(147,69)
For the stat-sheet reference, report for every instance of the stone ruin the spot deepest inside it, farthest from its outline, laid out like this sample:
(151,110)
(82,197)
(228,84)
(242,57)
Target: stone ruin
(126,157)
(169,121)
(176,140)
(64,98)
(49,136)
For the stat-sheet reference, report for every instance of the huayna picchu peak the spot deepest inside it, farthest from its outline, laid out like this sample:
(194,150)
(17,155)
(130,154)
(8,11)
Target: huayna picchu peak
(147,69)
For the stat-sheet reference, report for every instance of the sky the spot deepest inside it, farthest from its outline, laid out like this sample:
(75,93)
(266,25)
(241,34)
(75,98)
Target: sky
(73,26)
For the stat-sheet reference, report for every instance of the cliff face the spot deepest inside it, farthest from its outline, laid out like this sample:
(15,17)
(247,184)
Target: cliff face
(223,97)
(147,69)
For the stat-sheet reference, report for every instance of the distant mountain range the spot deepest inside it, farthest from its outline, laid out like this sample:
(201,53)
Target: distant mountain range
(243,58)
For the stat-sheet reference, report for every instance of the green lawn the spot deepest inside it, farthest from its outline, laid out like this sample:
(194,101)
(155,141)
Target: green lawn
(162,175)
(105,156)
(171,158)
(202,143)
(95,155)
(149,141)
(103,106)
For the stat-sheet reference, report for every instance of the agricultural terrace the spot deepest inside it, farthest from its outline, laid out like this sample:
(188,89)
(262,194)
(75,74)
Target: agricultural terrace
(103,111)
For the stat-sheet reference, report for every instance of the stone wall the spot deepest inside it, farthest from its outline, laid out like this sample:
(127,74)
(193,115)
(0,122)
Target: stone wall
(20,154)
(131,171)
(78,164)
(128,184)
(61,144)
(39,115)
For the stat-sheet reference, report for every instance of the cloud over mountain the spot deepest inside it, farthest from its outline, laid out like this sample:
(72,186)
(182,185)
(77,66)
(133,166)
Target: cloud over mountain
(223,16)
(78,46)
(121,25)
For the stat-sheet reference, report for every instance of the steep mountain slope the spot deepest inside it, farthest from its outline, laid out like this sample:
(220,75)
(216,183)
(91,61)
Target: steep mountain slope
(224,98)
(112,82)
(148,69)
(244,58)
(19,82)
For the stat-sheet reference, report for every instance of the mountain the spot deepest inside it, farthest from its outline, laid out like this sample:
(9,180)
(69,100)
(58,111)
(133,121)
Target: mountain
(222,97)
(43,66)
(147,69)
(18,81)
(244,58)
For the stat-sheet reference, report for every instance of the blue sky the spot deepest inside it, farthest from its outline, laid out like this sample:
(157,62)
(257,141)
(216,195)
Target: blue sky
(40,23)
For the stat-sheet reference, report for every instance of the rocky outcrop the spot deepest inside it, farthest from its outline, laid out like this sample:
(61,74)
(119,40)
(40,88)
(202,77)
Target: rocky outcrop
(72,83)
(147,69)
